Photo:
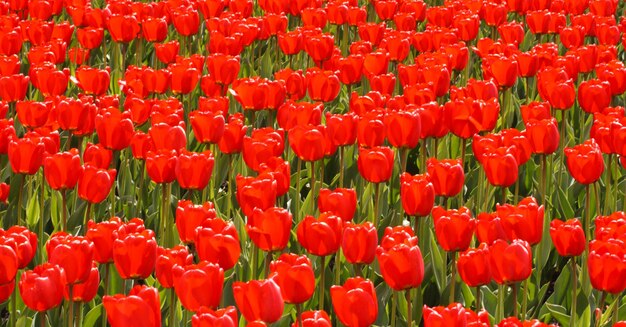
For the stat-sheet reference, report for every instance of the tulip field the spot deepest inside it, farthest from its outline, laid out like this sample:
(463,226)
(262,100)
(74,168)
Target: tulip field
(312,163)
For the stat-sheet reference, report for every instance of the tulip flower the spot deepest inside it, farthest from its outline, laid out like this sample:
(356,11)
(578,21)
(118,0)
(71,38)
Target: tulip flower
(294,275)
(42,288)
(314,319)
(417,194)
(585,162)
(256,192)
(259,300)
(85,291)
(8,257)
(102,236)
(135,254)
(453,315)
(166,260)
(359,243)
(446,175)
(198,285)
(342,202)
(355,302)
(397,246)
(142,306)
(72,253)
(206,317)
(217,241)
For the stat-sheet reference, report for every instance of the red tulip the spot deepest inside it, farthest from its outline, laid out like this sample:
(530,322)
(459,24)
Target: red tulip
(199,285)
(193,170)
(101,234)
(314,319)
(607,267)
(294,275)
(341,202)
(454,315)
(26,155)
(92,80)
(355,302)
(454,228)
(308,142)
(85,291)
(166,260)
(568,237)
(206,317)
(403,128)
(234,131)
(446,175)
(400,259)
(256,192)
(60,170)
(474,266)
(114,129)
(543,135)
(190,216)
(4,192)
(585,162)
(341,128)
(123,28)
(269,230)
(322,85)
(500,166)
(94,184)
(42,288)
(8,257)
(375,164)
(13,88)
(359,242)
(510,263)
(417,194)
(208,127)
(134,255)
(26,244)
(217,241)
(72,253)
(96,155)
(141,306)
(259,300)
(161,166)
(321,236)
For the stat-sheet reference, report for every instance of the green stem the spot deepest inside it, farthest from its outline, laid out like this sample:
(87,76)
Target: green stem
(409,309)
(13,314)
(601,309)
(452,278)
(404,155)
(322,282)
(504,188)
(615,317)
(573,315)
(63,213)
(525,300)
(162,222)
(338,267)
(255,262)
(172,308)
(268,260)
(297,195)
(19,201)
(105,286)
(341,163)
(500,309)
(607,184)
(79,316)
(376,204)
(394,307)
(515,310)
(423,153)
(70,317)
(87,213)
(587,213)
(299,314)
(479,304)
(42,319)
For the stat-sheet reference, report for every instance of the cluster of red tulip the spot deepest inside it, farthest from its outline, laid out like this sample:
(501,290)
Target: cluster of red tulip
(305,163)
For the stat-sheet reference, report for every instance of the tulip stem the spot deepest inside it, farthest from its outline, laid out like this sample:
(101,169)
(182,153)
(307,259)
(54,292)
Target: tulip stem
(587,213)
(13,315)
(172,308)
(19,200)
(601,309)
(409,309)
(615,316)
(394,307)
(312,180)
(297,195)
(341,163)
(254,261)
(42,319)
(479,304)
(376,204)
(268,260)
(573,315)
(500,309)
(321,282)
(105,287)
(70,305)
(452,278)
(504,194)
(87,214)
(404,156)
(338,267)
(608,183)
(299,314)
(525,300)
(63,213)
(515,309)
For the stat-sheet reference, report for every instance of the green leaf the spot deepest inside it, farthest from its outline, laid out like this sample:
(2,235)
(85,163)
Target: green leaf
(93,317)
(439,266)
(559,313)
(33,211)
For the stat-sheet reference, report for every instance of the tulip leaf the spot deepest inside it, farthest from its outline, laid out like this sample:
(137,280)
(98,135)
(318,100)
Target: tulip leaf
(33,210)
(93,317)
(559,313)
(566,208)
(439,266)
